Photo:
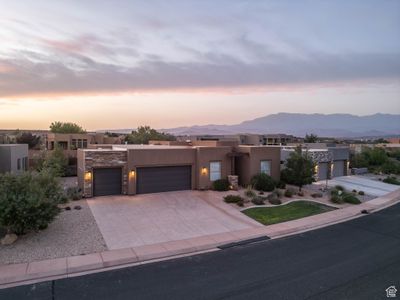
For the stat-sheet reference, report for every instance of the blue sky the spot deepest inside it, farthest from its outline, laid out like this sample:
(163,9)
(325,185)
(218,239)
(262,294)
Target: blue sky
(172,63)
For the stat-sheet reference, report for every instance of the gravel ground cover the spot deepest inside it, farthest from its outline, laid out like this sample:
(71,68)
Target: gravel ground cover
(73,232)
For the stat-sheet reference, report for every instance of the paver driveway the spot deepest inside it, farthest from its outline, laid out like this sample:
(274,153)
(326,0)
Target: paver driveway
(129,221)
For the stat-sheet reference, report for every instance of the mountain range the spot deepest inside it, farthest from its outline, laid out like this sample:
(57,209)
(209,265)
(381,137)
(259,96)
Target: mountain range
(326,125)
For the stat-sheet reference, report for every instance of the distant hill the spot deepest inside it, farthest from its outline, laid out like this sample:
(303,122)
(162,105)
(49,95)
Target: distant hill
(327,125)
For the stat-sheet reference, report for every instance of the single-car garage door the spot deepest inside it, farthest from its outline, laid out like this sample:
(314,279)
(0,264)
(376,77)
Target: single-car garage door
(107,181)
(322,170)
(163,179)
(338,168)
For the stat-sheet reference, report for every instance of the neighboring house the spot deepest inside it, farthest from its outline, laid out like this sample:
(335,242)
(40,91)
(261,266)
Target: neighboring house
(330,160)
(245,139)
(139,169)
(13,158)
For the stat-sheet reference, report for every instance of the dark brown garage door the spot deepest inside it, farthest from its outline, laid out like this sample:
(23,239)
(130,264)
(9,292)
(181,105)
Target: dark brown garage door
(107,181)
(163,179)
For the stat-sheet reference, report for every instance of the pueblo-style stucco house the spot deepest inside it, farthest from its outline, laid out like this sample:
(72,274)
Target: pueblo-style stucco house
(139,169)
(13,158)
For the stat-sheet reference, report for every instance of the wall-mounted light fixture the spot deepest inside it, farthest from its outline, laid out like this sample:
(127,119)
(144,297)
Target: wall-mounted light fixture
(132,174)
(88,175)
(204,171)
(316,169)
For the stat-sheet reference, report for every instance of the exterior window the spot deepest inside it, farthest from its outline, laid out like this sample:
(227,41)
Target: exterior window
(215,170)
(18,164)
(85,144)
(266,167)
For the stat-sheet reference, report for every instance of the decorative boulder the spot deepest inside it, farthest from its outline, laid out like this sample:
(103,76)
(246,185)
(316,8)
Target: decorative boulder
(9,239)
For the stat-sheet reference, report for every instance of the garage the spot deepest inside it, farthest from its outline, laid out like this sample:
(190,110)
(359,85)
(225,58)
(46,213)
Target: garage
(107,181)
(323,171)
(338,168)
(163,179)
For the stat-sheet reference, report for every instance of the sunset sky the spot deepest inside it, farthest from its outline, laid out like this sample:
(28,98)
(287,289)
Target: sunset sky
(120,64)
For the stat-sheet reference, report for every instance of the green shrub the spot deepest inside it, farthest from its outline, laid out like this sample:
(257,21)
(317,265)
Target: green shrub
(289,193)
(74,193)
(281,185)
(263,182)
(350,198)
(391,180)
(317,195)
(339,188)
(301,194)
(354,191)
(250,193)
(28,201)
(275,201)
(221,185)
(336,199)
(240,203)
(233,199)
(258,200)
(334,192)
(361,193)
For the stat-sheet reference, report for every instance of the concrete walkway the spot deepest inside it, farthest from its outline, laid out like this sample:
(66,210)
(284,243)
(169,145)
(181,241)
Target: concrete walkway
(17,274)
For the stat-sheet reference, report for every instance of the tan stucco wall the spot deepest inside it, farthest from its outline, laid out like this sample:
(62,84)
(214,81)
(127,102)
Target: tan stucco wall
(249,164)
(205,155)
(158,158)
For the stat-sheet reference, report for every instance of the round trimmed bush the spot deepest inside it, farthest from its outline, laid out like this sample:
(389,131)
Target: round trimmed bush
(275,201)
(350,198)
(289,193)
(317,195)
(339,188)
(263,182)
(336,199)
(221,185)
(233,199)
(257,201)
(361,193)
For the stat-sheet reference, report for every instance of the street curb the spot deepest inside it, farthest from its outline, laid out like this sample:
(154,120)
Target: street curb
(51,269)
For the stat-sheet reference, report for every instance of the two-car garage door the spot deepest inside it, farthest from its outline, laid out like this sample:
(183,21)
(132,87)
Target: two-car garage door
(163,179)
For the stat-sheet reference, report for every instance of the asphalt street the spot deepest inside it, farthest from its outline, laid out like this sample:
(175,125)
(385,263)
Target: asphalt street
(358,259)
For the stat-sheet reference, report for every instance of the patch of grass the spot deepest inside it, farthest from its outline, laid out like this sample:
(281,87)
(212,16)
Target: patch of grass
(291,211)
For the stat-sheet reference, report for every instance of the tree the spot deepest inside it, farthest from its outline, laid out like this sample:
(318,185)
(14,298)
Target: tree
(66,127)
(299,169)
(55,163)
(145,133)
(28,201)
(28,138)
(312,138)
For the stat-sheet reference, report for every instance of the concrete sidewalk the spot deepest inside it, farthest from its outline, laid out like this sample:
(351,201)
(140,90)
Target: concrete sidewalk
(18,274)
